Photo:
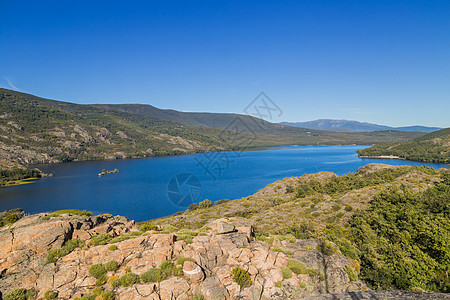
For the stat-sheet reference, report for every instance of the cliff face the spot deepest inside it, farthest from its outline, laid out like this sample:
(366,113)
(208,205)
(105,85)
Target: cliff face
(209,260)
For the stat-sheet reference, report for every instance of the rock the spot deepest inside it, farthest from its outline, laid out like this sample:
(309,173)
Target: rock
(25,244)
(173,288)
(223,228)
(212,289)
(193,271)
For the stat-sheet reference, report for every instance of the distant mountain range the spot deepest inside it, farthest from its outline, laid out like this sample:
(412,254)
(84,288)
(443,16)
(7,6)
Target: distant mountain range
(354,126)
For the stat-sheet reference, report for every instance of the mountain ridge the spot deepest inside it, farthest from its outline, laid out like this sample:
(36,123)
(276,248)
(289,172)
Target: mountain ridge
(355,126)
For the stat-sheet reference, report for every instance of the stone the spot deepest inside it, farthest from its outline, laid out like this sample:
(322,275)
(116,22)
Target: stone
(173,287)
(212,289)
(223,228)
(193,271)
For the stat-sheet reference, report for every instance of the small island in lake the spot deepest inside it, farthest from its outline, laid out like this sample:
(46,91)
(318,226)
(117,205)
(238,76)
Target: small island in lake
(105,172)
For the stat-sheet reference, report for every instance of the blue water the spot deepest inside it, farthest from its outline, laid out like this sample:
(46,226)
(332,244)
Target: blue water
(140,190)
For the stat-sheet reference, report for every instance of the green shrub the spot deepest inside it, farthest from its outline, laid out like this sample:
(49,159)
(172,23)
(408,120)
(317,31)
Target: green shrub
(19,294)
(69,246)
(351,273)
(185,237)
(205,203)
(97,270)
(289,189)
(166,268)
(348,208)
(296,266)
(241,277)
(48,295)
(113,247)
(147,227)
(181,260)
(327,248)
(223,201)
(287,273)
(301,284)
(111,266)
(115,282)
(198,297)
(100,239)
(129,279)
(49,216)
(193,206)
(336,207)
(152,275)
(177,271)
(101,280)
(278,284)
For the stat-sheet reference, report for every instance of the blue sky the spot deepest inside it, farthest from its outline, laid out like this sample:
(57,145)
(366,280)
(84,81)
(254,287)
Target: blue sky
(386,62)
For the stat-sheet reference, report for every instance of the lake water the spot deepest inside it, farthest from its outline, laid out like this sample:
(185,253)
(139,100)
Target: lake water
(150,188)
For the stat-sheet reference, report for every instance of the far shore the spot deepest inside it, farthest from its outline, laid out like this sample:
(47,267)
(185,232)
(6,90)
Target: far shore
(383,157)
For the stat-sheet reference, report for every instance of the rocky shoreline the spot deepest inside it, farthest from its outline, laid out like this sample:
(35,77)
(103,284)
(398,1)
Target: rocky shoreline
(30,259)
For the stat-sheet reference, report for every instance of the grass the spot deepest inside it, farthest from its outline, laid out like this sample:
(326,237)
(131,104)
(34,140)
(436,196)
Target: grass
(296,266)
(74,212)
(278,249)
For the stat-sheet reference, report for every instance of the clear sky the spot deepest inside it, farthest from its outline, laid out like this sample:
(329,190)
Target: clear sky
(386,62)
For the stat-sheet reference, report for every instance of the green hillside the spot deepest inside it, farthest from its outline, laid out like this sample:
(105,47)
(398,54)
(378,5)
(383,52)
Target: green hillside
(432,147)
(38,130)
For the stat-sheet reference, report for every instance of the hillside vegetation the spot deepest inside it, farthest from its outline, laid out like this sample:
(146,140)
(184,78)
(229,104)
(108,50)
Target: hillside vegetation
(433,147)
(37,130)
(392,221)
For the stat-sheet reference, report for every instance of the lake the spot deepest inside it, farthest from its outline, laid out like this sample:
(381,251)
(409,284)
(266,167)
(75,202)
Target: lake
(154,187)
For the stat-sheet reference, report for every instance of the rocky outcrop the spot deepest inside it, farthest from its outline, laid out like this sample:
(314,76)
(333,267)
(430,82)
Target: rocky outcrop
(207,269)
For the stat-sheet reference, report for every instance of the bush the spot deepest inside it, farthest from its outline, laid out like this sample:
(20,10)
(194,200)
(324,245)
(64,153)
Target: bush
(223,201)
(69,246)
(278,284)
(336,207)
(153,275)
(19,294)
(101,280)
(296,266)
(48,295)
(166,268)
(241,277)
(97,270)
(177,271)
(111,266)
(114,281)
(287,273)
(129,279)
(100,239)
(148,226)
(113,247)
(351,273)
(205,203)
(193,206)
(327,248)
(181,260)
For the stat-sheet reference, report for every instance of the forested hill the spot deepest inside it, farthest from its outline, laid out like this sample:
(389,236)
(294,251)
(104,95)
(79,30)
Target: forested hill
(432,147)
(37,130)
